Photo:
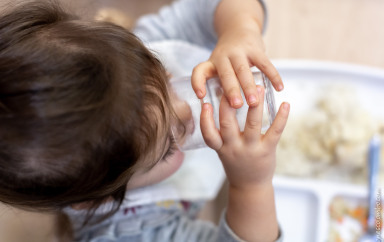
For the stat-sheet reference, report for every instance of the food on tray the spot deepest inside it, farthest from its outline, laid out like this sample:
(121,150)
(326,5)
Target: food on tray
(329,140)
(348,220)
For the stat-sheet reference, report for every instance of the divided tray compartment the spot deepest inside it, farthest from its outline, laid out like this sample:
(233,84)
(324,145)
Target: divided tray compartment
(303,203)
(303,206)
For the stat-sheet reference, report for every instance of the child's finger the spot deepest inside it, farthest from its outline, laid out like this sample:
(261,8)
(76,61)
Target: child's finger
(253,124)
(200,74)
(229,82)
(262,62)
(244,74)
(229,128)
(274,132)
(210,133)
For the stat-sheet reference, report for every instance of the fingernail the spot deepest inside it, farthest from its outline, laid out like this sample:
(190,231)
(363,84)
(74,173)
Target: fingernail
(200,94)
(252,99)
(236,101)
(280,87)
(258,89)
(286,106)
(206,108)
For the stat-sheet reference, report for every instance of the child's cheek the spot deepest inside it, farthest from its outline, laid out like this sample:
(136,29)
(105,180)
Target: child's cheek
(174,162)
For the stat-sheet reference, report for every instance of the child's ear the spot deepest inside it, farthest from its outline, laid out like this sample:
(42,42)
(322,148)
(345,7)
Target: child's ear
(114,16)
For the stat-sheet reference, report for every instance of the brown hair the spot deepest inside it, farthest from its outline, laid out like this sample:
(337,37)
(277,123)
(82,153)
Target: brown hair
(78,102)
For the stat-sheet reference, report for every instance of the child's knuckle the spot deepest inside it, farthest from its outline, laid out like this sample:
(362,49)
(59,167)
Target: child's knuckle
(209,140)
(225,75)
(249,86)
(253,123)
(277,130)
(225,124)
(242,68)
(264,63)
(197,68)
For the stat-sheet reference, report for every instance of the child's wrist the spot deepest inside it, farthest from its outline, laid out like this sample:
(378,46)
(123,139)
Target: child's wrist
(255,207)
(241,21)
(251,187)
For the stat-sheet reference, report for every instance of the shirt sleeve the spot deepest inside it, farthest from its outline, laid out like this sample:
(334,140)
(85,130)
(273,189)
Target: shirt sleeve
(154,224)
(187,229)
(187,20)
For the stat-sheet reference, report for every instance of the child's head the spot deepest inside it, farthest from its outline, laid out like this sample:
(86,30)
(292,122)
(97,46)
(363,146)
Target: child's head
(83,106)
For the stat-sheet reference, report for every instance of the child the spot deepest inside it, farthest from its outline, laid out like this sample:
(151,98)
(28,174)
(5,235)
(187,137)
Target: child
(86,115)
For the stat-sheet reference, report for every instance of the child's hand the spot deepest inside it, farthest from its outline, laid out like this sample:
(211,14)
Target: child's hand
(238,49)
(248,157)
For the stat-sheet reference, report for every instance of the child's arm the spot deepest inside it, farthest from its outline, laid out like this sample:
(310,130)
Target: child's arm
(238,24)
(249,161)
(191,21)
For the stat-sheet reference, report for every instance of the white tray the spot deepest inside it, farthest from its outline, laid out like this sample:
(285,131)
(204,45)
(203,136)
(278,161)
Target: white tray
(303,204)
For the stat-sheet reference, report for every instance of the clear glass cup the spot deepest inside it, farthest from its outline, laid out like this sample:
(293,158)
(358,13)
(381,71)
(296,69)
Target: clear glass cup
(188,107)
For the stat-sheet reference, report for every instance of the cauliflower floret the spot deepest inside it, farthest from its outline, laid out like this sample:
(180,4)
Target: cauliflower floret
(334,135)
